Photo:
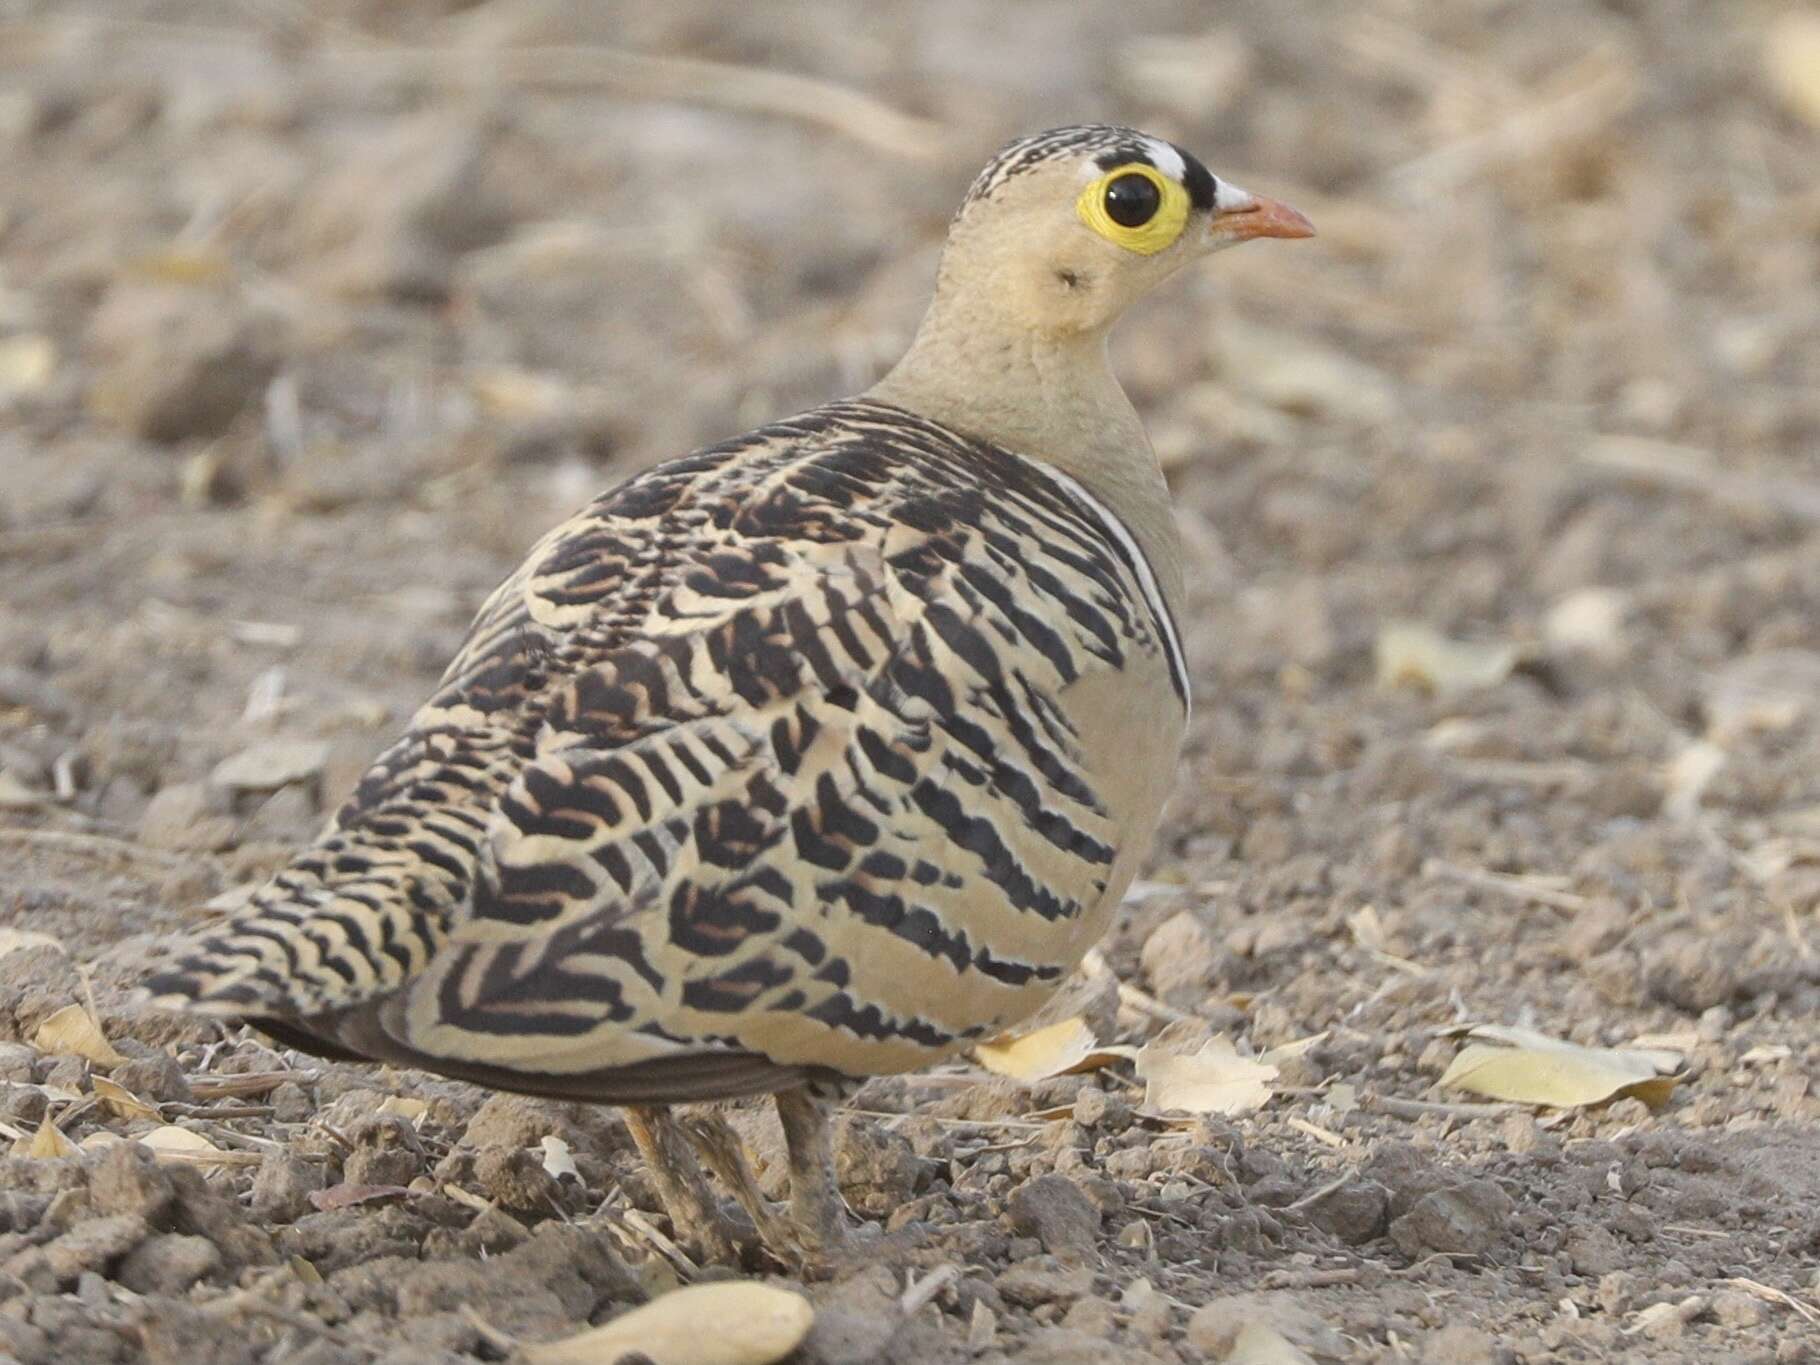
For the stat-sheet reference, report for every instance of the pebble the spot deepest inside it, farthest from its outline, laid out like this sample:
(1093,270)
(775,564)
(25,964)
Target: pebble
(1468,1219)
(1180,958)
(1043,1279)
(180,363)
(1055,1211)
(1354,1214)
(168,1264)
(282,1188)
(270,765)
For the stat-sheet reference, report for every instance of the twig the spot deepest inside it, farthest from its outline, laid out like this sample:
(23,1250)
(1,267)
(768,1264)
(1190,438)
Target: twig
(239,1085)
(920,1292)
(1517,888)
(1096,965)
(1338,1183)
(1774,1295)
(1312,1279)
(1415,1109)
(1696,471)
(645,75)
(1594,92)
(100,844)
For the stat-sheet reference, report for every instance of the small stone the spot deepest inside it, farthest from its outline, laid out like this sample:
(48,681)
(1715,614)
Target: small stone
(515,1178)
(270,765)
(1054,1210)
(291,1103)
(1734,1309)
(1466,1219)
(283,1186)
(93,1245)
(16,1061)
(386,1152)
(180,363)
(1043,1279)
(126,1179)
(877,1169)
(1459,1344)
(169,1264)
(1355,1213)
(184,817)
(157,1078)
(1180,958)
(1092,1316)
(1215,1325)
(1593,1251)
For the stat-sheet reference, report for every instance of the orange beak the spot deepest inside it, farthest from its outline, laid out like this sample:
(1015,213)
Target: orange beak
(1260,217)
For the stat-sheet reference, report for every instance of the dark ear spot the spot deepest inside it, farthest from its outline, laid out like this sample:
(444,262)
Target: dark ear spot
(1069,279)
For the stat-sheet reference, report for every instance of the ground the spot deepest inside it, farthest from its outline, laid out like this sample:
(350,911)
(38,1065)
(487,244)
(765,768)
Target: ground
(314,316)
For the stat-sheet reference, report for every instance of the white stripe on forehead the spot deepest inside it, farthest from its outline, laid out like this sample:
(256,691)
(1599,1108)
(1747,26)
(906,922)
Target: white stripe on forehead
(1166,159)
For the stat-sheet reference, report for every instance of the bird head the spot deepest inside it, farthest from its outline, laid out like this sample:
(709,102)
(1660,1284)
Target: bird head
(1063,230)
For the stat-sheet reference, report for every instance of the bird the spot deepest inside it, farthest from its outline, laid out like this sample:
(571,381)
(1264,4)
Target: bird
(822,753)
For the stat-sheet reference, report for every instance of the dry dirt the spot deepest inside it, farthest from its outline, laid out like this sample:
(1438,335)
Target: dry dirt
(314,316)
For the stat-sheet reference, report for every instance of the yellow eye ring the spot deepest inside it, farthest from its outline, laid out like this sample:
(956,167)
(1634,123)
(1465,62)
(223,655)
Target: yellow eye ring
(1149,237)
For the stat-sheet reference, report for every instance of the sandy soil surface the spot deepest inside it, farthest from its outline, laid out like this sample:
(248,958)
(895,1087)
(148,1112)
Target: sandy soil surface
(314,316)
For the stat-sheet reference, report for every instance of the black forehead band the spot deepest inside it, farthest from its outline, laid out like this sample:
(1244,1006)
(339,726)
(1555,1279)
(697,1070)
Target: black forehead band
(1196,178)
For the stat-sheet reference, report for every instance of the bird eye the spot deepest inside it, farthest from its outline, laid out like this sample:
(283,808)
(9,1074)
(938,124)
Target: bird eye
(1132,200)
(1136,207)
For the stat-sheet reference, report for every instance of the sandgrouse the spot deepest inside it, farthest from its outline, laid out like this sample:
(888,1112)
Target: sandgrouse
(822,753)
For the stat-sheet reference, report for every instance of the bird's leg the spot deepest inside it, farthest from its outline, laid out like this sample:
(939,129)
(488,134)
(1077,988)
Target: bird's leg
(720,1147)
(692,1207)
(815,1202)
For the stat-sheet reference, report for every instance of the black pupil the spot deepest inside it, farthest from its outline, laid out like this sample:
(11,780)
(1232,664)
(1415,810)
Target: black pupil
(1132,200)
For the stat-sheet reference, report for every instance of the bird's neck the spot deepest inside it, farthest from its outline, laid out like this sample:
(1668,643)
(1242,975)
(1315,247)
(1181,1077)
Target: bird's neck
(1052,399)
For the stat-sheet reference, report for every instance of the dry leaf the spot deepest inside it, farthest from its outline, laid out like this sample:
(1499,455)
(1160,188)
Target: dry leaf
(1258,1343)
(1791,60)
(121,1101)
(47,1144)
(403,1107)
(1367,928)
(1589,621)
(1283,1052)
(1410,653)
(72,1030)
(171,1140)
(1215,1080)
(1765,1053)
(1531,1068)
(1761,694)
(17,940)
(558,1160)
(346,1196)
(1058,1050)
(27,362)
(1688,775)
(747,1324)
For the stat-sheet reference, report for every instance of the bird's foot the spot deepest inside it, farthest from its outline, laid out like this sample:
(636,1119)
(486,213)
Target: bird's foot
(696,1216)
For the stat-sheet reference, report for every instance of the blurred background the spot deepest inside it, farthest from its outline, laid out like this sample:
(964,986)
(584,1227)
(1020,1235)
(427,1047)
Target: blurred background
(1500,495)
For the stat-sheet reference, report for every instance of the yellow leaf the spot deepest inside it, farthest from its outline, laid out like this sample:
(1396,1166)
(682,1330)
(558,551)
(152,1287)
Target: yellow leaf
(1412,654)
(47,1144)
(1531,1068)
(1283,1052)
(1058,1050)
(27,363)
(17,940)
(404,1107)
(1258,1343)
(1215,1080)
(173,1141)
(72,1030)
(1791,58)
(121,1100)
(733,1322)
